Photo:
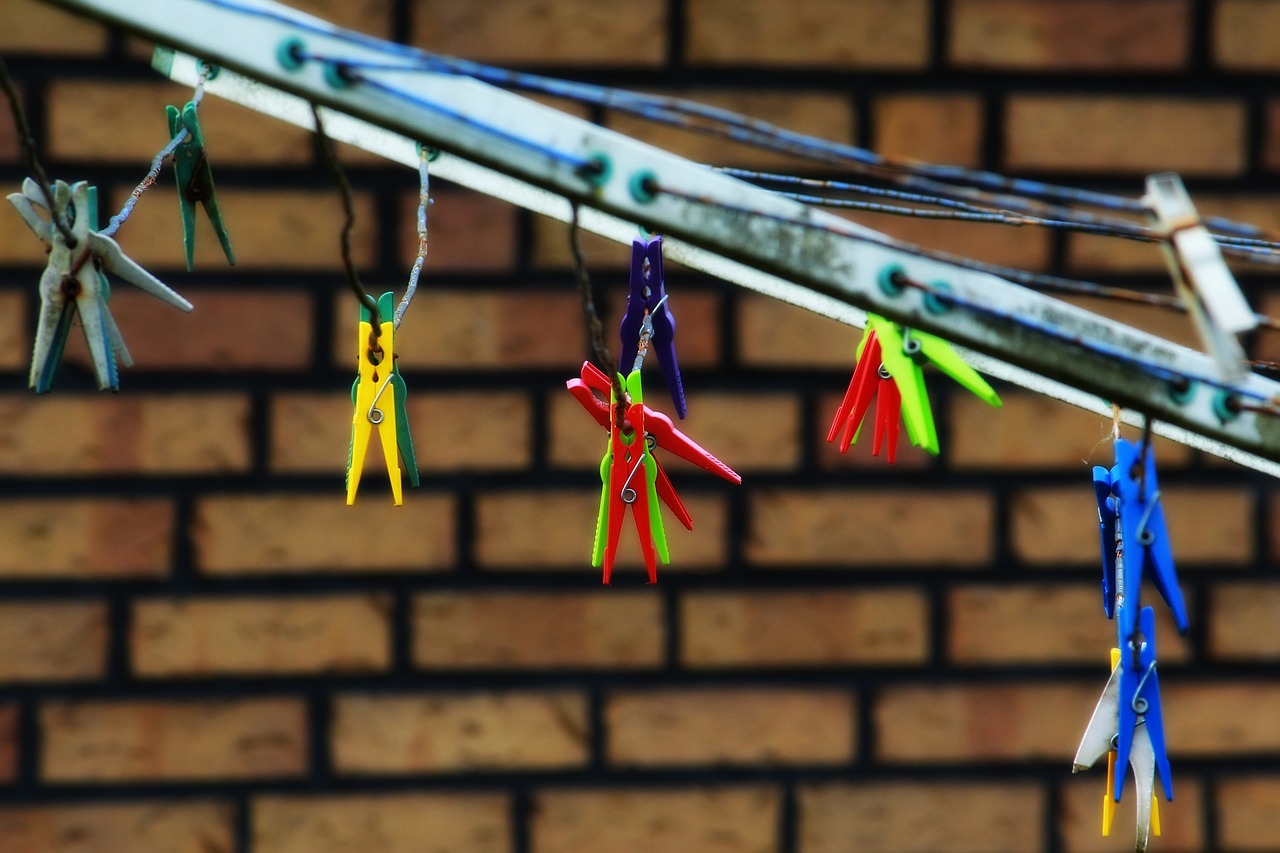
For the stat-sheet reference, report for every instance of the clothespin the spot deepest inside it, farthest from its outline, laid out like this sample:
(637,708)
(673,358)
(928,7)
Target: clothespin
(1200,276)
(628,476)
(74,281)
(660,432)
(870,380)
(1107,533)
(379,387)
(646,304)
(195,181)
(901,353)
(1127,726)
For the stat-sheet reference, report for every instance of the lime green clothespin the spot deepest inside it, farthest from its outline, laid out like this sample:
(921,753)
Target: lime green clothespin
(902,351)
(195,181)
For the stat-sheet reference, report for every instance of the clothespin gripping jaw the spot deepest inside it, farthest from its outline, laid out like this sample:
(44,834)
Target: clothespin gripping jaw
(195,181)
(375,393)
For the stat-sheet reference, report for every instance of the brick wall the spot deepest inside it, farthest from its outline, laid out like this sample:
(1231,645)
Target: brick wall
(202,649)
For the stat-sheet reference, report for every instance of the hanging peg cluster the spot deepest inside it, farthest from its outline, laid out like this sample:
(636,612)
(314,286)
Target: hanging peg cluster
(889,369)
(630,474)
(1127,725)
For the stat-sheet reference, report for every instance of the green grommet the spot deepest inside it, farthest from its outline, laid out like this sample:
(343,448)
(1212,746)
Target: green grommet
(335,74)
(211,71)
(1182,392)
(291,53)
(935,302)
(433,154)
(1225,406)
(644,186)
(597,170)
(889,283)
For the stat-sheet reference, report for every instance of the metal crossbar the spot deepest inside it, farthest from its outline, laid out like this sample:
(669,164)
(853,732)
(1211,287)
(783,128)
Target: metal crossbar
(279,61)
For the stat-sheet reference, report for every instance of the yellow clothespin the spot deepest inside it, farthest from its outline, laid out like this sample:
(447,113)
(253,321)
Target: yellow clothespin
(1108,801)
(375,396)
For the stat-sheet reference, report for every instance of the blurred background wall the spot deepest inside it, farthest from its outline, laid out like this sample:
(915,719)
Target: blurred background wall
(202,650)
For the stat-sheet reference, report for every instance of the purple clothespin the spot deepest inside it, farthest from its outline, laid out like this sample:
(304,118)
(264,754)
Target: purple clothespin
(648,294)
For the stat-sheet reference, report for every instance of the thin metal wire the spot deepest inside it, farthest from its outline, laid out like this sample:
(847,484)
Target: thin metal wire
(424,201)
(20,124)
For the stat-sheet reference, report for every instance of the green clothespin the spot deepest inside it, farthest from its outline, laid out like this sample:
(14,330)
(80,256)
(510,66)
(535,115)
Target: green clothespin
(195,181)
(400,393)
(903,351)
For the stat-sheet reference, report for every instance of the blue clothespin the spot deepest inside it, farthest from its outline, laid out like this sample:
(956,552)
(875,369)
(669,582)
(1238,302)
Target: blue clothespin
(648,297)
(1107,533)
(1140,704)
(1145,539)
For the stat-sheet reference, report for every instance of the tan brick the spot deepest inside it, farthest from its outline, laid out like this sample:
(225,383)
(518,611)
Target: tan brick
(1209,526)
(827,33)
(9,722)
(1079,35)
(1056,525)
(455,732)
(825,628)
(898,817)
(15,340)
(511,532)
(158,740)
(226,636)
(466,232)
(730,727)
(1023,248)
(709,820)
(775,334)
(34,27)
(577,32)
(1204,718)
(367,16)
(1270,154)
(1074,133)
(748,432)
(176,827)
(1027,431)
(228,330)
(237,535)
(385,823)
(933,128)
(451,431)
(477,330)
(1242,621)
(1182,822)
(551,250)
(10,146)
(1240,30)
(144,434)
(297,229)
(52,641)
(85,538)
(992,625)
(1246,809)
(814,113)
(535,630)
(930,529)
(1005,722)
(234,135)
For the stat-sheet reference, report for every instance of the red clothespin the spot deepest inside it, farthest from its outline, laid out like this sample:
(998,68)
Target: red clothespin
(628,476)
(870,379)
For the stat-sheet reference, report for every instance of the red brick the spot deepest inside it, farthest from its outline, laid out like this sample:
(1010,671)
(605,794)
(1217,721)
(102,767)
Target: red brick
(963,724)
(1246,809)
(85,538)
(466,232)
(919,528)
(228,330)
(748,432)
(1270,153)
(1243,618)
(33,27)
(1125,134)
(52,641)
(15,340)
(452,432)
(386,823)
(239,535)
(775,334)
(1239,32)
(9,722)
(156,740)
(997,625)
(260,636)
(143,434)
(188,826)
(10,145)
(929,127)
(827,33)
(1204,718)
(459,732)
(663,728)
(1182,821)
(578,32)
(1079,35)
(537,630)
(551,250)
(900,817)
(709,820)
(781,628)
(511,532)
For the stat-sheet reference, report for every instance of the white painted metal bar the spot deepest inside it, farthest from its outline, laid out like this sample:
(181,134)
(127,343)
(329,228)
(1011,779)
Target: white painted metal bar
(531,155)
